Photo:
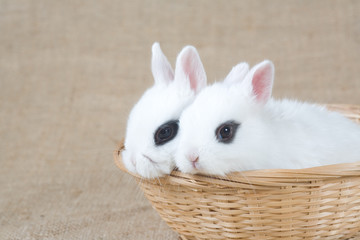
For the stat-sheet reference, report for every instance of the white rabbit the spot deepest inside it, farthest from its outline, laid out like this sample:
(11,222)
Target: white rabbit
(153,122)
(236,126)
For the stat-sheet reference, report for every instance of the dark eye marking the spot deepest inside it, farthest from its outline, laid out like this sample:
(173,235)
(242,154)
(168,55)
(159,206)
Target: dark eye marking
(225,133)
(166,132)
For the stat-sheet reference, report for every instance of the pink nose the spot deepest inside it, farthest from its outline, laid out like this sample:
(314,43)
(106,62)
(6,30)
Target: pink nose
(194,159)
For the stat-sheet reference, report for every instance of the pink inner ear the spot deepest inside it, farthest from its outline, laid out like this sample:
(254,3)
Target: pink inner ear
(262,83)
(190,66)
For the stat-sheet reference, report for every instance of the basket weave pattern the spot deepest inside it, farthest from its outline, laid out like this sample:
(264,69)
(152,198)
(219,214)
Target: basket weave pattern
(314,203)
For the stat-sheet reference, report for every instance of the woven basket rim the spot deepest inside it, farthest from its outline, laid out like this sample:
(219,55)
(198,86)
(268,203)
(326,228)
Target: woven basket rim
(264,177)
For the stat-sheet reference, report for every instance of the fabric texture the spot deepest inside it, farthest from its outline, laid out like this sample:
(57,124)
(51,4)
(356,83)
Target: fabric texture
(70,72)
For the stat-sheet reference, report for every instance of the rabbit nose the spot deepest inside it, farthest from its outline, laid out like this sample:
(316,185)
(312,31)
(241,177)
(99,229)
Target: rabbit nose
(194,159)
(133,160)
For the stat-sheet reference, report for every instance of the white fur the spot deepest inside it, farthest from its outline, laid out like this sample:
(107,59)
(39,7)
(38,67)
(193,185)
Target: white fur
(161,103)
(273,133)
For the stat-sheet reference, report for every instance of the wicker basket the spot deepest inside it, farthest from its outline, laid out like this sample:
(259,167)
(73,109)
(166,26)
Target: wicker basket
(314,203)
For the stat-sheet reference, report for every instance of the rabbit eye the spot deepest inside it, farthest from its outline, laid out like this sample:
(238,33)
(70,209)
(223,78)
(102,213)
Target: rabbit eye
(225,133)
(166,132)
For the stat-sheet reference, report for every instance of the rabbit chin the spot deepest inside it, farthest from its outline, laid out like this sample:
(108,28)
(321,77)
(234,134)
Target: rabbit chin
(149,169)
(187,166)
(145,167)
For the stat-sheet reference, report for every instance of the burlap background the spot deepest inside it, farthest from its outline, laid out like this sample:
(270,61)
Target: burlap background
(70,72)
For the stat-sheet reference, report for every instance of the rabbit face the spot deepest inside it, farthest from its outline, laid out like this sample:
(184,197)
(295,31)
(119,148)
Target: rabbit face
(151,136)
(222,125)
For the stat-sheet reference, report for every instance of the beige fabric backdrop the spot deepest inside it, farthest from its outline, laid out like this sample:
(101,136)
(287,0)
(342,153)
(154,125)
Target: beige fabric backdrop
(70,72)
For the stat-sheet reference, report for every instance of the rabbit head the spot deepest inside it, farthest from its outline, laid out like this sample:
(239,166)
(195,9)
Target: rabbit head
(152,126)
(222,126)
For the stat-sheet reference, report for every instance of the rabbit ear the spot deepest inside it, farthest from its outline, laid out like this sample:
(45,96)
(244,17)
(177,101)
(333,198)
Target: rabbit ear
(261,79)
(237,73)
(160,66)
(190,69)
